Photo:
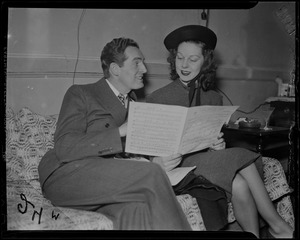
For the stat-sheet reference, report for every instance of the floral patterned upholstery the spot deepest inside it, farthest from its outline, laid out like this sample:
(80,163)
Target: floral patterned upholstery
(30,135)
(27,209)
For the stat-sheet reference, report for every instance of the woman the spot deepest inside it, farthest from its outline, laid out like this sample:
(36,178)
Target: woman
(237,170)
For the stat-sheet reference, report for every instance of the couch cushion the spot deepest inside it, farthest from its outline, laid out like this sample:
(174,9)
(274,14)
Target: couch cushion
(29,137)
(191,210)
(274,178)
(27,209)
(14,163)
(285,209)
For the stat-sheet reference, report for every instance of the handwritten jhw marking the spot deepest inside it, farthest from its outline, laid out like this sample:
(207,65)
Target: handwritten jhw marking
(23,209)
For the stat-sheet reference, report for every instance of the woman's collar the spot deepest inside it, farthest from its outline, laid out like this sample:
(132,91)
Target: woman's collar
(185,85)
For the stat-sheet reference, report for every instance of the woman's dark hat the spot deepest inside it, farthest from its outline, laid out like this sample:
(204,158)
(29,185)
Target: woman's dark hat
(191,32)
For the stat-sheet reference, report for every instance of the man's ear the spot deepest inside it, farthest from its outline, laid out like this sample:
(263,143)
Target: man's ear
(114,69)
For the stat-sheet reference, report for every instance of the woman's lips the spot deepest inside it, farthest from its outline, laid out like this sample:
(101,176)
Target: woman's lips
(185,73)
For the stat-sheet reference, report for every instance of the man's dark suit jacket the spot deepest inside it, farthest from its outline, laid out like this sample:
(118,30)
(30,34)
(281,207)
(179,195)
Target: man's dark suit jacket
(87,126)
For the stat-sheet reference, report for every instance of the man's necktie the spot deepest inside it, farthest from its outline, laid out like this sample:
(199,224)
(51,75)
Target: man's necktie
(122,98)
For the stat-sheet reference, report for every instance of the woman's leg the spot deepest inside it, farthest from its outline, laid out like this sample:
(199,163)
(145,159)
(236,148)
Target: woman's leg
(278,227)
(244,206)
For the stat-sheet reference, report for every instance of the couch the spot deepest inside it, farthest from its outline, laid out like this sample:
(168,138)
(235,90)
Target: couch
(29,136)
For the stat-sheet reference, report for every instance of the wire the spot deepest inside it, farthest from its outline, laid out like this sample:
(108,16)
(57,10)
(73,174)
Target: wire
(238,109)
(218,89)
(78,43)
(207,18)
(265,103)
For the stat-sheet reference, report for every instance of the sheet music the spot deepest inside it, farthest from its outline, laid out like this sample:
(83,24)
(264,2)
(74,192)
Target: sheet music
(177,174)
(154,129)
(203,127)
(163,130)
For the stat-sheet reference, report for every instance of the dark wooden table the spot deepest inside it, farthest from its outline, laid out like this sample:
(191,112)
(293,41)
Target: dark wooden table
(269,143)
(258,140)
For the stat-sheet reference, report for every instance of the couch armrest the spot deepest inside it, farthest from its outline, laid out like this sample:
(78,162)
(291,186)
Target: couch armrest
(27,209)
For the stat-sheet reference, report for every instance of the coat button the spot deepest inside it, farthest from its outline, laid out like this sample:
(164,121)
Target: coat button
(107,125)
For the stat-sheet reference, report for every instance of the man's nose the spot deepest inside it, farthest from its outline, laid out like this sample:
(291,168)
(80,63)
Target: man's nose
(143,68)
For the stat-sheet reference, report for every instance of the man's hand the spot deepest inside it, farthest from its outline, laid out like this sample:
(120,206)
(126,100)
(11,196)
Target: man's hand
(123,129)
(169,162)
(219,144)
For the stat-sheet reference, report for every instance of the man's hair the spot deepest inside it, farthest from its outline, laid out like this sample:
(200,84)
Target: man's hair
(208,69)
(114,52)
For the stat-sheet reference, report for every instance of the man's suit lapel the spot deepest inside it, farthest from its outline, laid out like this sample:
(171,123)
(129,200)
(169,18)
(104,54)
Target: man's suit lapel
(110,102)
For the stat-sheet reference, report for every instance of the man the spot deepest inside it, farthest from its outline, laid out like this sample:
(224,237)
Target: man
(84,171)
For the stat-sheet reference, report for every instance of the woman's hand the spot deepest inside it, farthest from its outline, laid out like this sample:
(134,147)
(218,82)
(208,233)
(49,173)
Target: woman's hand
(219,144)
(169,162)
(123,129)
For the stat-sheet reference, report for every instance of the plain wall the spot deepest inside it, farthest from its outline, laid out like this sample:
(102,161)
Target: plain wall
(43,45)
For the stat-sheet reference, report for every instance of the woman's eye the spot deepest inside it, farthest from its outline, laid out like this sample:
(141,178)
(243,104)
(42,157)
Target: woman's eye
(194,60)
